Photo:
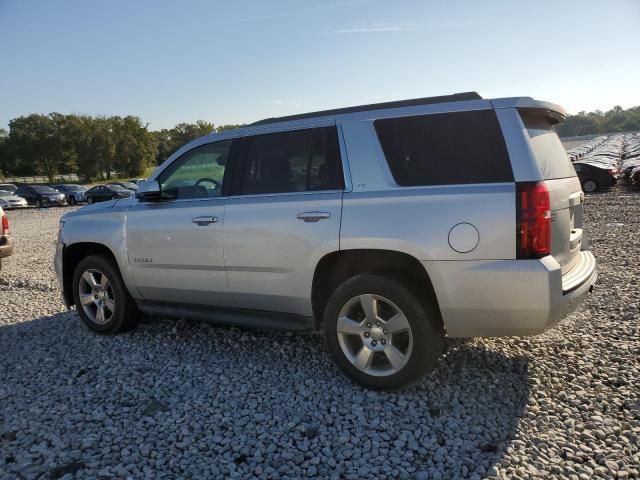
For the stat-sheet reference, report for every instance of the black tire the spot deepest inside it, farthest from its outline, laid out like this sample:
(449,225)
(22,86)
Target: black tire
(90,200)
(125,315)
(38,203)
(72,200)
(424,321)
(590,185)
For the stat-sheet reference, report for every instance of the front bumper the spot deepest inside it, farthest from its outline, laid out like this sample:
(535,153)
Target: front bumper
(57,264)
(53,201)
(12,206)
(6,246)
(508,297)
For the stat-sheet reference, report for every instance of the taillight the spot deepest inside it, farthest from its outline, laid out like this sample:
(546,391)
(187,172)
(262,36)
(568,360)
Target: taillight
(533,238)
(613,172)
(5,225)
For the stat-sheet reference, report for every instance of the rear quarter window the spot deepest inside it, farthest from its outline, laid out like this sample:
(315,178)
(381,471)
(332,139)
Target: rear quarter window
(445,148)
(549,153)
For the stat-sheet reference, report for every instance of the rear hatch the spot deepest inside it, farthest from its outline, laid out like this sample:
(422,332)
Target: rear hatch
(565,191)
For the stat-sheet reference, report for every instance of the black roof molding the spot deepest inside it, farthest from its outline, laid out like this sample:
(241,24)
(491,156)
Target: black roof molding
(456,97)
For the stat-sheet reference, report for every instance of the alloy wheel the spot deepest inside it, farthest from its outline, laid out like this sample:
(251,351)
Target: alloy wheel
(374,335)
(96,296)
(589,186)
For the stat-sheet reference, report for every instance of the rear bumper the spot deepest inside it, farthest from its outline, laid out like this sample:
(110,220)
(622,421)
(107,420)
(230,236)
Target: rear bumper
(508,297)
(6,246)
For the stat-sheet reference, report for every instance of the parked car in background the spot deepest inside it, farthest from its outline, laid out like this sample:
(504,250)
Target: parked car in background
(40,195)
(595,177)
(375,224)
(127,185)
(6,245)
(137,180)
(9,200)
(74,194)
(102,193)
(8,187)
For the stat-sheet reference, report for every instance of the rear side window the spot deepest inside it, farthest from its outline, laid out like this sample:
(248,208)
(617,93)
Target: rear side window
(296,161)
(550,155)
(445,148)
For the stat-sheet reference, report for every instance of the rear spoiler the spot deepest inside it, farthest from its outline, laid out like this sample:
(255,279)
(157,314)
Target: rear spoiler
(555,113)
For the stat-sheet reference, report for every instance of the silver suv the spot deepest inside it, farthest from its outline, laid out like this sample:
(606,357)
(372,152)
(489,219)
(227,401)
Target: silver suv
(387,226)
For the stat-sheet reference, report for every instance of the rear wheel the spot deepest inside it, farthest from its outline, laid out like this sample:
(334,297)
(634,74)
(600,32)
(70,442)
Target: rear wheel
(90,200)
(38,203)
(101,297)
(72,200)
(381,333)
(589,185)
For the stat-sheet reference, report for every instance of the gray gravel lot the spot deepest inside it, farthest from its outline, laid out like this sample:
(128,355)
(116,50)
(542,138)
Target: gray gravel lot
(178,399)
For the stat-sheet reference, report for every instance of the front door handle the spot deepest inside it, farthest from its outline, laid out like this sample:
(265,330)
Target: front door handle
(312,217)
(206,220)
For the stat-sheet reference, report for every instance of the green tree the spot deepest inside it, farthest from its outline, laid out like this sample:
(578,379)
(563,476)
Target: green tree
(4,152)
(40,144)
(590,123)
(171,140)
(135,146)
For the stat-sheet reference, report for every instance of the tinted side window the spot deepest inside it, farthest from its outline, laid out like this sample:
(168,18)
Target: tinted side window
(199,173)
(296,161)
(547,148)
(445,148)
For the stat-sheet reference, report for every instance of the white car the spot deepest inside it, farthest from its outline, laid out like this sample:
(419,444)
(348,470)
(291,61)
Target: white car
(9,200)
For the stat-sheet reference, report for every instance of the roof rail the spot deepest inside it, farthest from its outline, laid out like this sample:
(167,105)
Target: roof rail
(456,97)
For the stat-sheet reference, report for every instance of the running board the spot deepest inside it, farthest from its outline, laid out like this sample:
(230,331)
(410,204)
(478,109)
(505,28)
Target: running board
(228,316)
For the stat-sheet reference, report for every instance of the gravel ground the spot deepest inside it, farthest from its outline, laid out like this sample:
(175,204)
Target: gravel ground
(178,399)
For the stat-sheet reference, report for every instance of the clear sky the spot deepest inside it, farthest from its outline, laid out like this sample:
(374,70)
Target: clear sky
(239,61)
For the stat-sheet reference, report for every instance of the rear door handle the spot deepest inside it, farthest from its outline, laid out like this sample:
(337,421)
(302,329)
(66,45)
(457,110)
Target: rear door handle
(206,220)
(312,217)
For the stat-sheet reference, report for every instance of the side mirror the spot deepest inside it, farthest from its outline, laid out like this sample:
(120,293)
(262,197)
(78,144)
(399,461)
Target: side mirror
(148,191)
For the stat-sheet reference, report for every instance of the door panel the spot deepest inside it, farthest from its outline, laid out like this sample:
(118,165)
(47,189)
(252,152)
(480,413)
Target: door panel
(175,259)
(175,244)
(271,253)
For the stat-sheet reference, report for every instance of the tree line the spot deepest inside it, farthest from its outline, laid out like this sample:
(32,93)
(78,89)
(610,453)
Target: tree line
(590,123)
(91,147)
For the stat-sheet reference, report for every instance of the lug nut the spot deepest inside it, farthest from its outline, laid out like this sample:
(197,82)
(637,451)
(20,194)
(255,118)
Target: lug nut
(366,334)
(368,325)
(383,341)
(374,343)
(378,324)
(385,331)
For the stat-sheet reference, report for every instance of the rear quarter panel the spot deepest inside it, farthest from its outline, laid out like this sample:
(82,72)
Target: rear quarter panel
(378,214)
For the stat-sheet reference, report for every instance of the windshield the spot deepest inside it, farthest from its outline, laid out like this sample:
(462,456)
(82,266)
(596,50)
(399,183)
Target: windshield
(74,188)
(116,187)
(4,193)
(45,190)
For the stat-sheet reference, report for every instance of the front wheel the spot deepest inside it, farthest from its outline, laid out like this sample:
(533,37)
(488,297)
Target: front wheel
(90,200)
(382,333)
(38,203)
(72,200)
(101,297)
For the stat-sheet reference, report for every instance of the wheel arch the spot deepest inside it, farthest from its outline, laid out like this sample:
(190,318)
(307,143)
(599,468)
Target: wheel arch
(72,255)
(336,267)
